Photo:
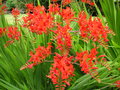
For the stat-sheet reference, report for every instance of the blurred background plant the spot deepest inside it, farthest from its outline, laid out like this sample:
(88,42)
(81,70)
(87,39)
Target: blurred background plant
(20,4)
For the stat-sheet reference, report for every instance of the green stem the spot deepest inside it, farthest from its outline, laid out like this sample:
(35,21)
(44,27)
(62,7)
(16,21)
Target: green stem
(99,12)
(38,2)
(49,2)
(61,6)
(85,9)
(78,5)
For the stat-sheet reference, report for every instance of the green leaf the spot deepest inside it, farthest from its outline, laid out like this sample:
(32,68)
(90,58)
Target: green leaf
(115,44)
(7,85)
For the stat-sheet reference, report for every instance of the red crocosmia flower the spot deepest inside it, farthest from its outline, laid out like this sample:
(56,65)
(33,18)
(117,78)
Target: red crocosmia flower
(38,56)
(67,14)
(88,1)
(2,31)
(54,8)
(39,21)
(54,0)
(15,12)
(8,43)
(93,29)
(63,38)
(3,8)
(29,6)
(62,70)
(88,61)
(117,83)
(66,2)
(13,33)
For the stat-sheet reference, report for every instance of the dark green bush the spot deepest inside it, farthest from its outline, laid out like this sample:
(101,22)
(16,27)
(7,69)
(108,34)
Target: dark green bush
(10,4)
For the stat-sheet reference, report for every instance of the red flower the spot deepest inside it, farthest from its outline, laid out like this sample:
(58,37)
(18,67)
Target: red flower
(65,2)
(93,29)
(3,8)
(29,6)
(63,38)
(13,33)
(117,83)
(54,0)
(88,1)
(8,43)
(67,15)
(40,54)
(2,30)
(15,12)
(88,61)
(39,21)
(62,70)
(54,8)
